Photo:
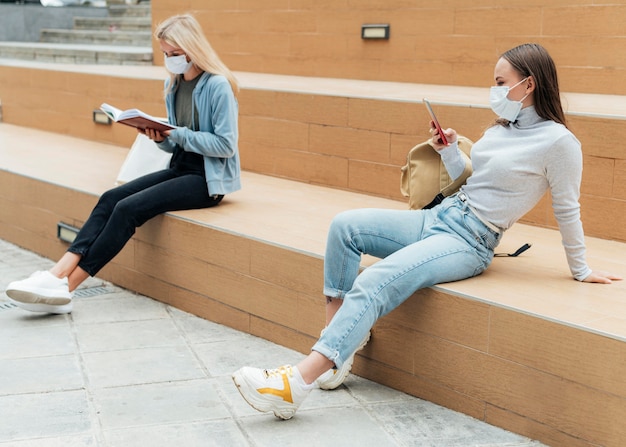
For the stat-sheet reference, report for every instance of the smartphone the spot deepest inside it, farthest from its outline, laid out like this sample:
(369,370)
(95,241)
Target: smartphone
(442,138)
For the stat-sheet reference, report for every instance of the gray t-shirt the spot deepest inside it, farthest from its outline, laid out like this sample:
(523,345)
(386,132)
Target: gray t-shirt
(186,116)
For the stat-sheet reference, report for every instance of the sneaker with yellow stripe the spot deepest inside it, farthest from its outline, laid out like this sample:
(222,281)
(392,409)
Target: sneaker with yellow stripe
(279,390)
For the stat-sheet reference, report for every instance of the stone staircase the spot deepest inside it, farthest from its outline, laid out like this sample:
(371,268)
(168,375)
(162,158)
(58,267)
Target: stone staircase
(123,37)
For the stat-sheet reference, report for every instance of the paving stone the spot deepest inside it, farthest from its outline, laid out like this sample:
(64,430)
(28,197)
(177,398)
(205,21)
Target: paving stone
(123,335)
(159,403)
(141,366)
(41,415)
(26,341)
(40,374)
(219,433)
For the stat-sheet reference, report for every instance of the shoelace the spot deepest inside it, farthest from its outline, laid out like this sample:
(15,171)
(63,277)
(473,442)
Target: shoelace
(285,369)
(284,373)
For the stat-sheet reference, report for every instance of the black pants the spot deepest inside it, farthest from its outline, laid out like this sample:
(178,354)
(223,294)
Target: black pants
(122,209)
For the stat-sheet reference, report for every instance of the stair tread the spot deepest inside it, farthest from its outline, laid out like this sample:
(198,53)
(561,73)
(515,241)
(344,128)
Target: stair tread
(129,19)
(282,218)
(585,104)
(96,31)
(77,46)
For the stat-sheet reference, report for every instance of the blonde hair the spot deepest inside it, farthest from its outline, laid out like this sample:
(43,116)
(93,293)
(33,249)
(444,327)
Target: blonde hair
(183,31)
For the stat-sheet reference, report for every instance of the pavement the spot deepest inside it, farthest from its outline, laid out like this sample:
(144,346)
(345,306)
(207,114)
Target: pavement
(125,370)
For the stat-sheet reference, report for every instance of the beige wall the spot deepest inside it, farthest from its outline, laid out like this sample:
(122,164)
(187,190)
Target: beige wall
(452,42)
(346,143)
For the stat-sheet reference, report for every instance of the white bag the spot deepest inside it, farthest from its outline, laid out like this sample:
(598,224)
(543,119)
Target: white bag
(143,158)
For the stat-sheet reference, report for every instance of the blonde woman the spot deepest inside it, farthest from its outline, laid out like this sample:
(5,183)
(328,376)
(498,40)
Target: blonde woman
(200,98)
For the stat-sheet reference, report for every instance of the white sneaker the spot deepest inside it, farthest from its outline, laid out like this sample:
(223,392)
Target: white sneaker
(334,377)
(41,292)
(279,390)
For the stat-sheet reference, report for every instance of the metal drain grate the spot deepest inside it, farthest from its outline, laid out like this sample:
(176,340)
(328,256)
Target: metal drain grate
(7,306)
(92,291)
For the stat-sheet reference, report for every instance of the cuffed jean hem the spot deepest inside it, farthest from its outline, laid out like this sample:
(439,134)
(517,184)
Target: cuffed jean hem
(335,294)
(76,252)
(331,355)
(90,271)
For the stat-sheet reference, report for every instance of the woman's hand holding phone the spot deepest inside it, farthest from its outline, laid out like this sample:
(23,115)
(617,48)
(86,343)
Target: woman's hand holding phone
(436,140)
(440,138)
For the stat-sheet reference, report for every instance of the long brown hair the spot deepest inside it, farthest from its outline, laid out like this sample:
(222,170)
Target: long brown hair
(531,59)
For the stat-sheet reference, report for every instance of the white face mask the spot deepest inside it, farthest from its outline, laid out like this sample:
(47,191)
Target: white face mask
(502,105)
(177,64)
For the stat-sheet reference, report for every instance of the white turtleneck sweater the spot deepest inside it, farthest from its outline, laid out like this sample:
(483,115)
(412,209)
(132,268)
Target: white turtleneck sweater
(512,169)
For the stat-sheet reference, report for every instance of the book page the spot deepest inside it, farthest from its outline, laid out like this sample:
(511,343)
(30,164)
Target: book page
(112,112)
(135,118)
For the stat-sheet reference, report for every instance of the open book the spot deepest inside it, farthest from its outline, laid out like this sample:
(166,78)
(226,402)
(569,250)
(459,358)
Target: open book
(135,118)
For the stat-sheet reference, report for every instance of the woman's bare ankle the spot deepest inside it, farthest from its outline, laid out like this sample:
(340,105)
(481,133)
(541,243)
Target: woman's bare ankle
(66,265)
(313,366)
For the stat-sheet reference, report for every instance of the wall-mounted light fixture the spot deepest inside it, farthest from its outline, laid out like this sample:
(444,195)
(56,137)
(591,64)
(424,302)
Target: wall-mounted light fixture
(99,117)
(375,31)
(66,233)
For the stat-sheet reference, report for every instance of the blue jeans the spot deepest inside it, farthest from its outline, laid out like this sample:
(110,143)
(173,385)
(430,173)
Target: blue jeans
(122,209)
(417,249)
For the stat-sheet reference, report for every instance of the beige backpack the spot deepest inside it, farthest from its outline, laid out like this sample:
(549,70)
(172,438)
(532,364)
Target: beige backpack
(424,179)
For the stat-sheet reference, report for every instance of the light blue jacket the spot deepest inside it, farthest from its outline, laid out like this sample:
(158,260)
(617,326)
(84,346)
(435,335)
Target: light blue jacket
(217,140)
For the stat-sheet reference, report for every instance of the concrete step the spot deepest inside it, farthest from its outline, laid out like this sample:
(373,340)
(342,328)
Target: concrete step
(143,9)
(99,37)
(77,53)
(122,38)
(113,23)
